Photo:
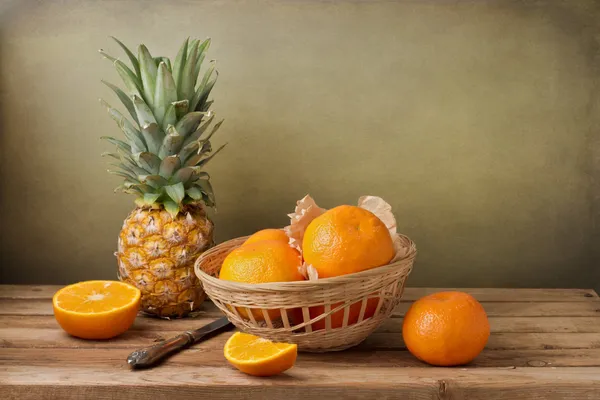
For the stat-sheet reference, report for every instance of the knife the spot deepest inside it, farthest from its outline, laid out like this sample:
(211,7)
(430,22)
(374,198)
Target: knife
(149,356)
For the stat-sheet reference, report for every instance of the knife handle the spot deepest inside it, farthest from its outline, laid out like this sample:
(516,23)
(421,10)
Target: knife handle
(148,356)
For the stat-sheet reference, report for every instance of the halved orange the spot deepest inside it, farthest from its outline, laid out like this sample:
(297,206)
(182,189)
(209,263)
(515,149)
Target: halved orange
(96,309)
(259,357)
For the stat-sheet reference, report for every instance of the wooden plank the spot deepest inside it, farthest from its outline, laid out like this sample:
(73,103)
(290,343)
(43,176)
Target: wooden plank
(517,324)
(44,307)
(512,295)
(27,382)
(142,323)
(347,359)
(500,341)
(51,338)
(497,324)
(410,294)
(588,308)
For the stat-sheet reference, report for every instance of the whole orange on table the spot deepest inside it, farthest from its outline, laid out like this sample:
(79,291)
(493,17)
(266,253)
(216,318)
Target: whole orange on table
(96,309)
(446,328)
(341,241)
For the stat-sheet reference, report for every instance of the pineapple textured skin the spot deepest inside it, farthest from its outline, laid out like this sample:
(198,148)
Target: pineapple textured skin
(156,253)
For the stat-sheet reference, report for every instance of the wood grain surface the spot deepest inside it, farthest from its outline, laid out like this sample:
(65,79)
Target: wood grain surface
(545,344)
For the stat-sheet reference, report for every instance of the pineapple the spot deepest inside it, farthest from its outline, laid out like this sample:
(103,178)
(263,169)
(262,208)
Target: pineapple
(162,162)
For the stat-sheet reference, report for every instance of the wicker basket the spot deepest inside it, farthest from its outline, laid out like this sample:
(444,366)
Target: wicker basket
(282,311)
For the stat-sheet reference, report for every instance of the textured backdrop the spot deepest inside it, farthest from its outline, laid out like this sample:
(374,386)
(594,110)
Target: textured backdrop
(478,121)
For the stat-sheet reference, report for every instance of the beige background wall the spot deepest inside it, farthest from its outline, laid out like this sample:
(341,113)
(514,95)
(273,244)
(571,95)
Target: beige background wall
(478,121)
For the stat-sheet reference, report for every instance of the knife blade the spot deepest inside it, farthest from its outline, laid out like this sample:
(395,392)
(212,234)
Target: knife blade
(150,356)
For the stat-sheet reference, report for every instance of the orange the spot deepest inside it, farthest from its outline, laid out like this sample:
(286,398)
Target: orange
(259,357)
(337,318)
(346,239)
(96,309)
(446,328)
(262,262)
(267,234)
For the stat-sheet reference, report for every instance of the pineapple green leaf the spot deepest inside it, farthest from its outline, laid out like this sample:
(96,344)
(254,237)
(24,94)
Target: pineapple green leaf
(201,55)
(199,62)
(132,82)
(184,175)
(149,161)
(181,107)
(141,186)
(149,198)
(176,192)
(126,100)
(166,60)
(123,174)
(198,159)
(210,202)
(148,71)
(206,188)
(189,123)
(119,143)
(170,117)
(199,174)
(155,181)
(168,166)
(193,43)
(206,106)
(131,190)
(198,133)
(201,129)
(172,208)
(134,61)
(107,56)
(171,143)
(202,93)
(150,130)
(180,61)
(131,168)
(136,141)
(188,81)
(208,73)
(188,150)
(205,148)
(194,192)
(165,93)
(143,112)
(214,129)
(109,154)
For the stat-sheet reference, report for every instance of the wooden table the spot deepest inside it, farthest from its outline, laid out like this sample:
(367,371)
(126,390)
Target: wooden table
(545,344)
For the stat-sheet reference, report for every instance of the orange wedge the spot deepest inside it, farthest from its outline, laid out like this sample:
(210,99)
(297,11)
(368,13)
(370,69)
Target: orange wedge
(259,357)
(96,309)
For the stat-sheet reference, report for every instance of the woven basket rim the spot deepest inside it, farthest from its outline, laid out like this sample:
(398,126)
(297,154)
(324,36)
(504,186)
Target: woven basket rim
(398,266)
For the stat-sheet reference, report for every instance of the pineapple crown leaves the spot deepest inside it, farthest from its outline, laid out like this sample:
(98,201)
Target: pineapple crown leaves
(167,140)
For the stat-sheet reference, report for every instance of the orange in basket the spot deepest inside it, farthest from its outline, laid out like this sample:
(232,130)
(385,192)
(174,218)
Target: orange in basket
(267,234)
(262,262)
(337,318)
(345,240)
